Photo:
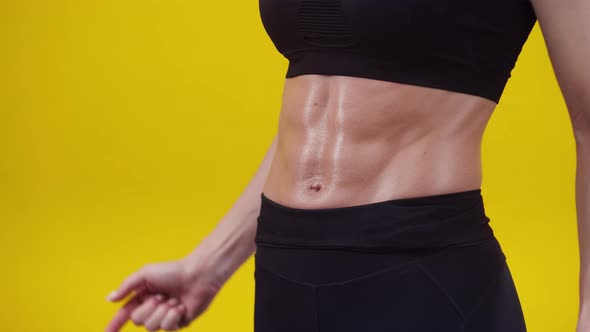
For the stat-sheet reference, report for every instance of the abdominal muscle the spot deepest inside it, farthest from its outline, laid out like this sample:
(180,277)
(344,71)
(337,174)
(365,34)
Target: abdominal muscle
(345,141)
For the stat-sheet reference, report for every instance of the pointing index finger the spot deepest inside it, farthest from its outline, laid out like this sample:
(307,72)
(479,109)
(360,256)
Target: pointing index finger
(124,313)
(134,281)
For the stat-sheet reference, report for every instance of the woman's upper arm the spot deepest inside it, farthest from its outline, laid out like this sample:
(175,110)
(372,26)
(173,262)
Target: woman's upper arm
(565,25)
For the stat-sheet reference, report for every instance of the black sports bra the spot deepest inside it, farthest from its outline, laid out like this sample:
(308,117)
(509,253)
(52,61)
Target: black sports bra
(468,46)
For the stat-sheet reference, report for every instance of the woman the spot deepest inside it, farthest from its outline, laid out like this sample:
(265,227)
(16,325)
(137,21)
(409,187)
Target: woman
(366,212)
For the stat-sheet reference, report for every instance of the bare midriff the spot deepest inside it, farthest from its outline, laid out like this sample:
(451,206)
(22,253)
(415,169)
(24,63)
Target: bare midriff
(345,141)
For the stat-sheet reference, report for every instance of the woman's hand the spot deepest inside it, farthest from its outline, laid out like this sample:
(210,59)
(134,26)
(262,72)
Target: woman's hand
(168,295)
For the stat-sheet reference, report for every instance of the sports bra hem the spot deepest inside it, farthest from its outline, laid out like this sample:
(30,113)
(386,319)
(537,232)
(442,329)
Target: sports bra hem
(462,78)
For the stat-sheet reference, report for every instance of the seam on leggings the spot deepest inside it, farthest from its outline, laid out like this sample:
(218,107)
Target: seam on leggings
(316,307)
(400,267)
(486,294)
(445,293)
(413,261)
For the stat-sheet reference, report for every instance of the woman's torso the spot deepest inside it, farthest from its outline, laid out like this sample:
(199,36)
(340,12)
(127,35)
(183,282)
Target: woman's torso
(346,141)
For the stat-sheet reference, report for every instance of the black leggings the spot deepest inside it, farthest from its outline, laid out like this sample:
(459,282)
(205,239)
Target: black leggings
(424,264)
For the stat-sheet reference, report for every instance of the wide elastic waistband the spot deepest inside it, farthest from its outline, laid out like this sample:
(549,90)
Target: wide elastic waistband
(436,221)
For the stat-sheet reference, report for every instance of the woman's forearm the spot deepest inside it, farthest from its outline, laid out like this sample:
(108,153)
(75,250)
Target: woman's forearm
(232,240)
(583,216)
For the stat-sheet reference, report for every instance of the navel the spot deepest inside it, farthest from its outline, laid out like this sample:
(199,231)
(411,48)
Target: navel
(316,186)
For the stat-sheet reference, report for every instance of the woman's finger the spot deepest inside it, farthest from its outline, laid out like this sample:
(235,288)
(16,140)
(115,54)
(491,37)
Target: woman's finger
(133,282)
(143,312)
(123,314)
(183,320)
(171,321)
(154,321)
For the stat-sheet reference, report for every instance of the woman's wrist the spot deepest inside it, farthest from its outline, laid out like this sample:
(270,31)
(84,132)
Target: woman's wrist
(224,250)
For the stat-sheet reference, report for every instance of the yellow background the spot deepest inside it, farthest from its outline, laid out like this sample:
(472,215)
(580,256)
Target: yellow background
(128,129)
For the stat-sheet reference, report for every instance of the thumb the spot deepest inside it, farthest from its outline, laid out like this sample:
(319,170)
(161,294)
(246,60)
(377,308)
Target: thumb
(133,282)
